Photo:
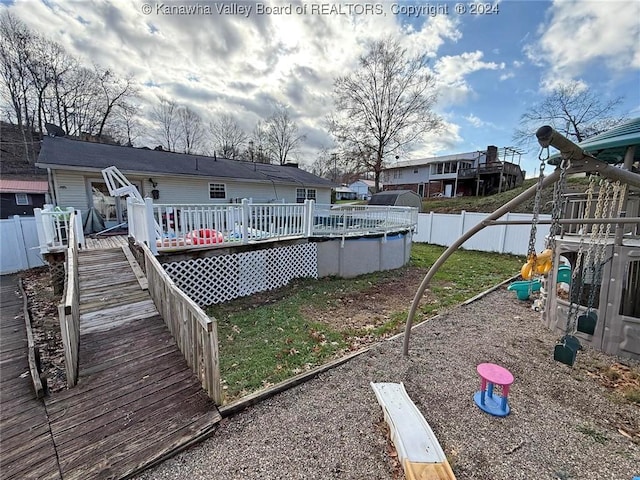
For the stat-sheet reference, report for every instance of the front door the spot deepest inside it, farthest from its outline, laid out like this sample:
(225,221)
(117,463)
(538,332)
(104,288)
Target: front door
(113,210)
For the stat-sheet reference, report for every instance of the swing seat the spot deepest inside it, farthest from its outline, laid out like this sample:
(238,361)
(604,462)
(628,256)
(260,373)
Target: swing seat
(587,322)
(566,351)
(523,288)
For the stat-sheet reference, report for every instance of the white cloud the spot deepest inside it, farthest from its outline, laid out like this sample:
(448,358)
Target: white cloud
(581,35)
(506,76)
(451,73)
(478,122)
(232,63)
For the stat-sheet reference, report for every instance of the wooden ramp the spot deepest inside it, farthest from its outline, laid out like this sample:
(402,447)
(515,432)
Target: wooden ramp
(136,401)
(26,445)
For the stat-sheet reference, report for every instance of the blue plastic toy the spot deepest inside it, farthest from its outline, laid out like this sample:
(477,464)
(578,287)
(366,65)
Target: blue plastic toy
(524,287)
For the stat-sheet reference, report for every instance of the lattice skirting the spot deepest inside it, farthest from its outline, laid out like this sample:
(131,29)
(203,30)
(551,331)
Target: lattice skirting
(212,280)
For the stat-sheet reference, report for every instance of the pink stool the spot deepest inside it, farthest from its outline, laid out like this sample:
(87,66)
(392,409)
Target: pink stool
(491,375)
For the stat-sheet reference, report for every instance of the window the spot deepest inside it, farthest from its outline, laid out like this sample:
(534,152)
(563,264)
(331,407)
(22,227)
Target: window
(303,194)
(22,199)
(217,190)
(415,170)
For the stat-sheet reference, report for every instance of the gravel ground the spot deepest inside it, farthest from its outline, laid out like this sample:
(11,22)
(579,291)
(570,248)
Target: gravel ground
(563,425)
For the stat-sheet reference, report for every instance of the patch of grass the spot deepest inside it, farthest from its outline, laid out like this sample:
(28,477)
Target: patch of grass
(632,394)
(593,433)
(266,338)
(491,203)
(465,274)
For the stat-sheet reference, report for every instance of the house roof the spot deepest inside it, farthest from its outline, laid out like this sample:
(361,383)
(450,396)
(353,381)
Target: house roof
(343,190)
(368,183)
(23,186)
(67,154)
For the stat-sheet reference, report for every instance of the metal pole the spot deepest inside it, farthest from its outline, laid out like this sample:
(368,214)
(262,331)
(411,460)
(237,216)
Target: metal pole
(530,192)
(568,221)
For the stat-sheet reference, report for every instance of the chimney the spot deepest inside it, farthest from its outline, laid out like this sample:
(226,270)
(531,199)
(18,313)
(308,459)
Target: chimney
(492,154)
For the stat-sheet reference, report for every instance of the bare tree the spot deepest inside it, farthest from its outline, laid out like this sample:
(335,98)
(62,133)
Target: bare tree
(114,92)
(323,165)
(281,135)
(16,43)
(384,106)
(228,137)
(572,110)
(125,127)
(258,151)
(165,114)
(191,130)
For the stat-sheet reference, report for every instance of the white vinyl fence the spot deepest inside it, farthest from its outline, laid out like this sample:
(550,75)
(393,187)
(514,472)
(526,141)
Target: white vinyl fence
(444,229)
(19,245)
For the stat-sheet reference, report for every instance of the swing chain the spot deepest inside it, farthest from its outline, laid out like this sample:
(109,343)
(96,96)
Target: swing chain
(531,250)
(611,193)
(558,205)
(575,292)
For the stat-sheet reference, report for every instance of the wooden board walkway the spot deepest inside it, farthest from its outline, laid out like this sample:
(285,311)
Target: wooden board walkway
(136,401)
(26,444)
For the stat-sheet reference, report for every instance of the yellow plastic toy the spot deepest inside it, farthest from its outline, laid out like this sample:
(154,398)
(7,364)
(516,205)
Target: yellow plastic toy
(537,264)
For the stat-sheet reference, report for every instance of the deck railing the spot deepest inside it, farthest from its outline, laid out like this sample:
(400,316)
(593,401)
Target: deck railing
(195,333)
(69,308)
(53,225)
(345,220)
(179,225)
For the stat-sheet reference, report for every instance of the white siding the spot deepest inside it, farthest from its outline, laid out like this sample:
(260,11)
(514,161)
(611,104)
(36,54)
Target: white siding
(180,190)
(71,189)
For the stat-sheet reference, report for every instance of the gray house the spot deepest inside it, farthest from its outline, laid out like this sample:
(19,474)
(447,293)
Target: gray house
(169,178)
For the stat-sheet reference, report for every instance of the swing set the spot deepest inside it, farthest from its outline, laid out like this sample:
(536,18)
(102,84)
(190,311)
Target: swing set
(603,241)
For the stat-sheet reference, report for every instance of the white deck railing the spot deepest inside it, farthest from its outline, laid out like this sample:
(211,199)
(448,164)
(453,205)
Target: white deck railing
(176,226)
(53,226)
(170,227)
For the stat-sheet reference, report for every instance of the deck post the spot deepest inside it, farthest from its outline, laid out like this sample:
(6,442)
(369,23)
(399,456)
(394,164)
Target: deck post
(308,218)
(151,226)
(245,220)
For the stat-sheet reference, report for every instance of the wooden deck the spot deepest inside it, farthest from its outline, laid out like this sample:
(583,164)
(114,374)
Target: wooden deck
(136,400)
(105,242)
(26,445)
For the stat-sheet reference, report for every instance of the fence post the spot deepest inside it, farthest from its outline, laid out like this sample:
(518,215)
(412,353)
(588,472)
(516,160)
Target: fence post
(150,226)
(462,216)
(503,234)
(42,236)
(22,253)
(78,229)
(430,225)
(245,220)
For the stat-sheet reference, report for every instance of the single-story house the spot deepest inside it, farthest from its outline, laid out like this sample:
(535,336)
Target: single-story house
(345,193)
(169,178)
(20,196)
(364,188)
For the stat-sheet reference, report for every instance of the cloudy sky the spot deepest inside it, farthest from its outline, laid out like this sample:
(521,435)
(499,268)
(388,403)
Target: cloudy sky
(489,66)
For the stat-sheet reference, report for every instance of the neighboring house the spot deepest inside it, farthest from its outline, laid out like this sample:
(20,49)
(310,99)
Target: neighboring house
(472,173)
(345,193)
(169,178)
(20,197)
(364,188)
